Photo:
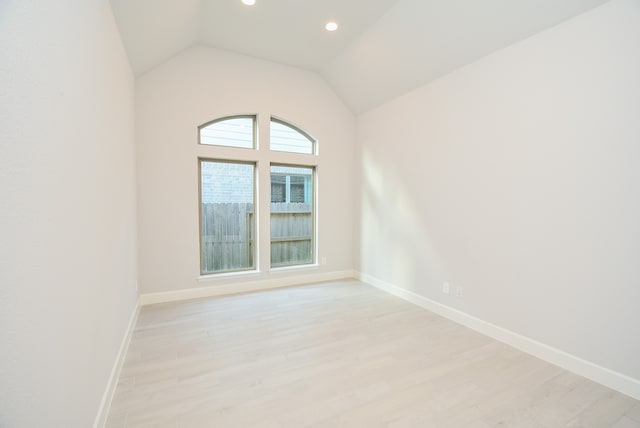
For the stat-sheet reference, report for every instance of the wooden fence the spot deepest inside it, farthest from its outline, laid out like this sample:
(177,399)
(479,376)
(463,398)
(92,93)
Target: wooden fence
(228,235)
(291,234)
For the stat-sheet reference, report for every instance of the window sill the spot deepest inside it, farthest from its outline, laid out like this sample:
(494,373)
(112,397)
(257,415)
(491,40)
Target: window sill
(312,266)
(214,276)
(256,273)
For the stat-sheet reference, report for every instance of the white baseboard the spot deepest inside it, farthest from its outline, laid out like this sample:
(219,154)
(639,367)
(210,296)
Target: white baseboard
(609,378)
(242,287)
(107,398)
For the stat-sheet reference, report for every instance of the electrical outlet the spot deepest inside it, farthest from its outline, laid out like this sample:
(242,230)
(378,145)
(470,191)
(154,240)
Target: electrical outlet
(459,291)
(445,287)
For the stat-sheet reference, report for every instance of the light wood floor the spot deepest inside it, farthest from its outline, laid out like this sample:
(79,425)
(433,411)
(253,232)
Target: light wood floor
(342,354)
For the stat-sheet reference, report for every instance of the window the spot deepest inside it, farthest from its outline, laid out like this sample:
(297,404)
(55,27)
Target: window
(234,131)
(288,138)
(290,184)
(227,216)
(278,188)
(228,194)
(292,215)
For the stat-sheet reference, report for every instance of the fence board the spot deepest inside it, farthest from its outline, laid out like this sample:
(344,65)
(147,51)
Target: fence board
(228,235)
(291,233)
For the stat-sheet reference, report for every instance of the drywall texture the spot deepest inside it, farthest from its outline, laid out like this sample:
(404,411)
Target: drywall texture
(516,178)
(67,212)
(202,84)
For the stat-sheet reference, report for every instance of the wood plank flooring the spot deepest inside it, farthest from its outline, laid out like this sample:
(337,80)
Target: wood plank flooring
(341,354)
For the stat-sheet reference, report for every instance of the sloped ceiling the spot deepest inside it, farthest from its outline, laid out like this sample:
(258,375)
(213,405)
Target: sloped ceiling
(383,48)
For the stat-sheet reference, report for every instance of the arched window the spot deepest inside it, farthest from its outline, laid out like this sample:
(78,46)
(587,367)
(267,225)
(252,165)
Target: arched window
(231,131)
(286,137)
(230,200)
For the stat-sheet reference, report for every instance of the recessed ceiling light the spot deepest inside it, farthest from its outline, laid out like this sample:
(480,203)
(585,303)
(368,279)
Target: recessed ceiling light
(249,2)
(331,26)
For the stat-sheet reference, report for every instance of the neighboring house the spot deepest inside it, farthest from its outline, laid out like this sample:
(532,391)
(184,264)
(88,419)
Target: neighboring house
(290,184)
(233,183)
(226,183)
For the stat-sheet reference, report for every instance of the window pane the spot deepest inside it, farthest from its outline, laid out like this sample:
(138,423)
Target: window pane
(286,138)
(226,216)
(231,132)
(278,188)
(297,189)
(292,226)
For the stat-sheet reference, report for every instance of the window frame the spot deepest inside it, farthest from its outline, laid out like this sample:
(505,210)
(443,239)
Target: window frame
(256,238)
(261,157)
(314,214)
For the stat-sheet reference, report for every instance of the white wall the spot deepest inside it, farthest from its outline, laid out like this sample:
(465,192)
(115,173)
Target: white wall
(518,178)
(67,211)
(202,84)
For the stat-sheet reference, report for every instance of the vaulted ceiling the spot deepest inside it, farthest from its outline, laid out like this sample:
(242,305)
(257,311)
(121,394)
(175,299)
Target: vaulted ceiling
(382,49)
